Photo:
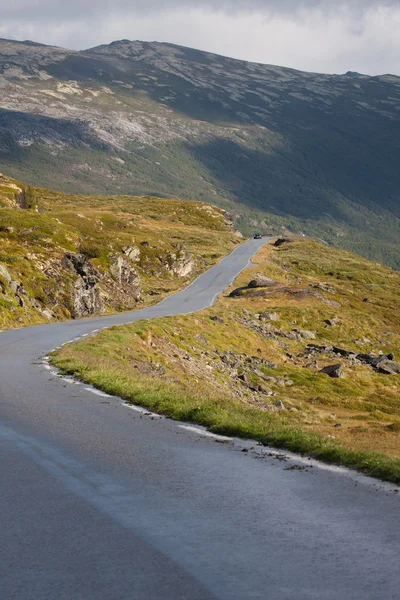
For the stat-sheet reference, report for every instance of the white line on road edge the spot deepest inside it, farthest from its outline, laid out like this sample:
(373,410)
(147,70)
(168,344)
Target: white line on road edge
(141,410)
(97,392)
(206,433)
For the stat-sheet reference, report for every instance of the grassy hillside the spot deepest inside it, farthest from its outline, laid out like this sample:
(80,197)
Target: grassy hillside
(279,148)
(251,365)
(64,256)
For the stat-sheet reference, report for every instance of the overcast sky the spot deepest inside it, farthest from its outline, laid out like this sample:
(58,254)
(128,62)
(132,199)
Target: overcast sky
(316,35)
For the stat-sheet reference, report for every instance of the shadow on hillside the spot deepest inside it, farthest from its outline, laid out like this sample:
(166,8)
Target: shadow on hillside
(18,130)
(303,178)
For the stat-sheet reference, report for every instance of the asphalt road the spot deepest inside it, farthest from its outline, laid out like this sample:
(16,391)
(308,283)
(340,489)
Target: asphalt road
(101,501)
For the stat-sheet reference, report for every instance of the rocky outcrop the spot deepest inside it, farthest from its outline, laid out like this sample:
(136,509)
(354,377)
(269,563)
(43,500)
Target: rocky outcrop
(334,371)
(261,281)
(180,263)
(86,298)
(382,363)
(124,272)
(132,252)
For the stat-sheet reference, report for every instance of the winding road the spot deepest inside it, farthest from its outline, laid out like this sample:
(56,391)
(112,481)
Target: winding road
(102,501)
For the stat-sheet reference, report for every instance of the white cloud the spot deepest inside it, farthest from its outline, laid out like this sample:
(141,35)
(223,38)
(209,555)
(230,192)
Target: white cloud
(313,38)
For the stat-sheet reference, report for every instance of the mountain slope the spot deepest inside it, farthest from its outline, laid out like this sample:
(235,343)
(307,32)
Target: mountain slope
(64,256)
(277,147)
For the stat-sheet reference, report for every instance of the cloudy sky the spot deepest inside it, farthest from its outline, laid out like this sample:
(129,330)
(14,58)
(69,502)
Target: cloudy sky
(317,35)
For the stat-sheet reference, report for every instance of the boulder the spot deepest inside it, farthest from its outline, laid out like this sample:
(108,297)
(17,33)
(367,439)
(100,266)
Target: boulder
(4,273)
(123,271)
(217,319)
(332,322)
(269,316)
(181,263)
(306,335)
(261,281)
(132,252)
(281,241)
(87,299)
(335,371)
(388,367)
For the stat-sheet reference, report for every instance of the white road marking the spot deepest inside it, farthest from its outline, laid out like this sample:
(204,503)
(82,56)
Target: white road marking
(206,433)
(70,381)
(97,392)
(139,409)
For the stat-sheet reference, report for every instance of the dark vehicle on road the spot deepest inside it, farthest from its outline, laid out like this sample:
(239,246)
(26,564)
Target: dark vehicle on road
(257,236)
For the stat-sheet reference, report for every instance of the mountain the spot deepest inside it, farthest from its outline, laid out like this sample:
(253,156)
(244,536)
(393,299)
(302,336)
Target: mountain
(279,148)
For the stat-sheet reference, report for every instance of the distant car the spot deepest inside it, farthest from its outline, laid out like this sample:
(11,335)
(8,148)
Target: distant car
(257,236)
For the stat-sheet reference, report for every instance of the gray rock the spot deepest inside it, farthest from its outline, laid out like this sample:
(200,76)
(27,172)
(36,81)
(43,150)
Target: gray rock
(388,367)
(279,405)
(15,285)
(307,335)
(217,319)
(261,281)
(132,252)
(332,322)
(181,263)
(87,299)
(269,316)
(4,273)
(123,271)
(335,371)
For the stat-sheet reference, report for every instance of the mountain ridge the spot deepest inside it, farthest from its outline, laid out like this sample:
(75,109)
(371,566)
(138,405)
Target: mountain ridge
(277,147)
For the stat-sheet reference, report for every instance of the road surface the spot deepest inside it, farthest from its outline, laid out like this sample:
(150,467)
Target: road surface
(101,501)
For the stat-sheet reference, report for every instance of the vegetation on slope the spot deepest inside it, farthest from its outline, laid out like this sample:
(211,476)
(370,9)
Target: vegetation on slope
(64,256)
(251,365)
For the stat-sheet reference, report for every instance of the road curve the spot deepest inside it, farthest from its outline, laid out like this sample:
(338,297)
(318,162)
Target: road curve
(100,501)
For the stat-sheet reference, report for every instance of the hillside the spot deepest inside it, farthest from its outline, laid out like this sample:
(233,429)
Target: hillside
(301,353)
(280,149)
(65,257)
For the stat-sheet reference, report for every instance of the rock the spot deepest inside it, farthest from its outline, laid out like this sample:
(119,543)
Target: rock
(145,244)
(307,335)
(181,263)
(279,405)
(238,235)
(132,252)
(15,285)
(342,351)
(48,314)
(325,287)
(261,281)
(388,367)
(281,241)
(332,322)
(4,273)
(390,356)
(123,271)
(269,316)
(335,371)
(217,319)
(87,299)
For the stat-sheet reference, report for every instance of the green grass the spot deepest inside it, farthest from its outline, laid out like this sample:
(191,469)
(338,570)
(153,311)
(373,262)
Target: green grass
(365,403)
(221,415)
